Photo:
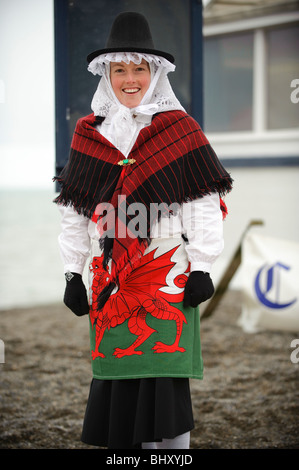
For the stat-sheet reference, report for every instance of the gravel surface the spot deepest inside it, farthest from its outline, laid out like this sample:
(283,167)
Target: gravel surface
(249,398)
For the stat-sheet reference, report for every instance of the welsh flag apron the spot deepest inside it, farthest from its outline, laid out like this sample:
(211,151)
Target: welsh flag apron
(143,329)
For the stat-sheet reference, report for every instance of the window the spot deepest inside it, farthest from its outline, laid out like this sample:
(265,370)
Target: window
(283,67)
(247,78)
(228,83)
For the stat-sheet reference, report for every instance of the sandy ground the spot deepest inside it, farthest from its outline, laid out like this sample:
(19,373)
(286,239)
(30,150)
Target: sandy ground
(249,398)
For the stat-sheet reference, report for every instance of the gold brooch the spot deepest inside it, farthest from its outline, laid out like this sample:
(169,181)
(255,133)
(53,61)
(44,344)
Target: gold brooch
(126,161)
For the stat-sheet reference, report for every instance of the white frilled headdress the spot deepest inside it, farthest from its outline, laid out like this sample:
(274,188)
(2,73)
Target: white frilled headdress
(158,98)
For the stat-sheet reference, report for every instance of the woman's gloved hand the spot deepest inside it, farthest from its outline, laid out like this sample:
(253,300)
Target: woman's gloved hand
(75,295)
(199,288)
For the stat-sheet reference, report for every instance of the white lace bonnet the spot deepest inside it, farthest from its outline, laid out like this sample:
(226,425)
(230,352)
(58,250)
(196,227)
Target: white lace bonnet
(159,97)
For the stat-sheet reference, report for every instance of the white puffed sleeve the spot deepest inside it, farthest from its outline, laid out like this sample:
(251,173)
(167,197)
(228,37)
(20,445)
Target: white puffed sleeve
(74,240)
(203,226)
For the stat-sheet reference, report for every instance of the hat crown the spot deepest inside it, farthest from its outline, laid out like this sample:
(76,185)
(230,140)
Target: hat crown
(130,30)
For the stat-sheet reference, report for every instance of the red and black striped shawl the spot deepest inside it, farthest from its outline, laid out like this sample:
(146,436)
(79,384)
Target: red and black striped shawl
(174,163)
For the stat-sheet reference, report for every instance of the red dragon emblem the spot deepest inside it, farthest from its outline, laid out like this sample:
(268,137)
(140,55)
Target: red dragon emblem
(139,295)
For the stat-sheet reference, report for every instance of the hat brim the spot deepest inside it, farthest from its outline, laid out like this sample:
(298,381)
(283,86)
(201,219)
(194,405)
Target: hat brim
(94,54)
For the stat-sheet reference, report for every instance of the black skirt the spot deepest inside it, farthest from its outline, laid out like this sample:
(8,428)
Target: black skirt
(121,414)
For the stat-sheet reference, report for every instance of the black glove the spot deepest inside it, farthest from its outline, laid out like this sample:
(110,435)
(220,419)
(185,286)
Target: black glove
(199,288)
(75,296)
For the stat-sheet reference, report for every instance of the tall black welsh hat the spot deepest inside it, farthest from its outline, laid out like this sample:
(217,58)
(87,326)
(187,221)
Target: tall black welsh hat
(130,32)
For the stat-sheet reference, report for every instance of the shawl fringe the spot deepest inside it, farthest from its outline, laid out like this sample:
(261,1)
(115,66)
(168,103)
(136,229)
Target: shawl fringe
(222,187)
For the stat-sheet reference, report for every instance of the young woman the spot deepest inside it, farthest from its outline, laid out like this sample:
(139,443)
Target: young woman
(140,196)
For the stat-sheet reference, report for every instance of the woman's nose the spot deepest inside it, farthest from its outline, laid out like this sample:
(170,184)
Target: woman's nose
(130,77)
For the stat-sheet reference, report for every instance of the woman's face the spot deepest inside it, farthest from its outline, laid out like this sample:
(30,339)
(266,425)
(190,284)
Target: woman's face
(130,82)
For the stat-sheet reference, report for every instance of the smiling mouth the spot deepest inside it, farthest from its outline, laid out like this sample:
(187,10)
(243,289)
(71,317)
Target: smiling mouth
(131,90)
